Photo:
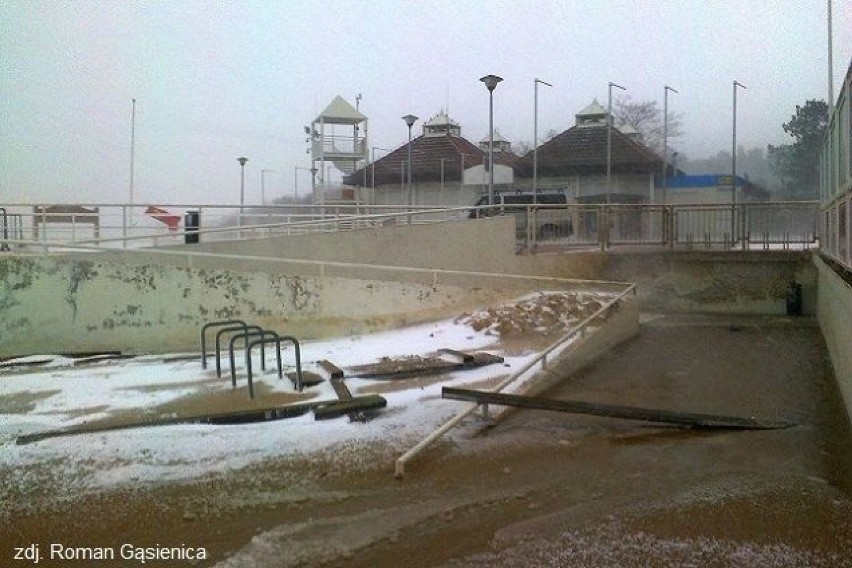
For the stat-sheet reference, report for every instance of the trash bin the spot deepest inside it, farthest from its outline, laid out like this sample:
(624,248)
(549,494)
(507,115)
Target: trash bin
(794,299)
(191,223)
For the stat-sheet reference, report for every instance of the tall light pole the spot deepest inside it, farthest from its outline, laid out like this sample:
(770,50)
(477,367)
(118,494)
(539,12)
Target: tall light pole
(535,135)
(263,185)
(734,165)
(609,139)
(373,165)
(830,66)
(132,158)
(242,162)
(666,142)
(491,83)
(409,119)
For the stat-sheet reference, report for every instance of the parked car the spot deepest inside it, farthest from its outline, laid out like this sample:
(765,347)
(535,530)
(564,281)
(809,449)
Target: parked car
(551,221)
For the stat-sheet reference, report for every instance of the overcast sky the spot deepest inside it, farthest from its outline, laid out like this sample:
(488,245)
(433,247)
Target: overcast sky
(215,80)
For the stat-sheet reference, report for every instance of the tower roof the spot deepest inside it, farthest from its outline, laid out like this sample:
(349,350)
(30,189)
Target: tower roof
(593,109)
(339,111)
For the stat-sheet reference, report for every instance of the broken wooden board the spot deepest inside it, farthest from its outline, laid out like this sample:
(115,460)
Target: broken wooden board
(221,418)
(692,420)
(460,355)
(350,406)
(340,389)
(332,370)
(417,366)
(309,379)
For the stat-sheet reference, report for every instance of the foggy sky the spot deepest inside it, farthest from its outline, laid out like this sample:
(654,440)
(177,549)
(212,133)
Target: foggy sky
(215,80)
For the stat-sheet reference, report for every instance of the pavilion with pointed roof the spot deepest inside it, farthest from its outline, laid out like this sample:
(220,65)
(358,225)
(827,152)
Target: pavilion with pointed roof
(440,156)
(575,161)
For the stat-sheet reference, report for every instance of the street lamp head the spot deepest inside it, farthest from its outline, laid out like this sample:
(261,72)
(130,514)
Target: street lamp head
(242,161)
(671,89)
(491,81)
(738,84)
(409,119)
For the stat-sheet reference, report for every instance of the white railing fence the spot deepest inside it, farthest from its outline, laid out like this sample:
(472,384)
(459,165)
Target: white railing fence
(744,226)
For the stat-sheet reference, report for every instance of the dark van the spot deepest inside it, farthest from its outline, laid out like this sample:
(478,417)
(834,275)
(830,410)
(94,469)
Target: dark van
(551,221)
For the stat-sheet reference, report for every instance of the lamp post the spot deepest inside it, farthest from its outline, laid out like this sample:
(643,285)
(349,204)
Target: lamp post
(409,119)
(535,135)
(263,185)
(242,162)
(313,185)
(296,181)
(609,139)
(734,166)
(373,165)
(491,83)
(666,142)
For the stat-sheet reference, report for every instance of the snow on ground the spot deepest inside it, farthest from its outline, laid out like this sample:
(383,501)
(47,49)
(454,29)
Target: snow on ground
(59,395)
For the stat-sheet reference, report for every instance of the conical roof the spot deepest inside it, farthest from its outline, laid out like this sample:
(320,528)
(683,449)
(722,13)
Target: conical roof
(339,111)
(594,109)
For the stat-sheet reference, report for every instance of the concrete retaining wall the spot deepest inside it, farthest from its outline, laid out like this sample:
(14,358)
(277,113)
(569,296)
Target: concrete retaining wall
(834,312)
(715,282)
(89,302)
(102,301)
(753,282)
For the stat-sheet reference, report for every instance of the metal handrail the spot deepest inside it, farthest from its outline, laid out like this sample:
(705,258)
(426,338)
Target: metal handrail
(559,344)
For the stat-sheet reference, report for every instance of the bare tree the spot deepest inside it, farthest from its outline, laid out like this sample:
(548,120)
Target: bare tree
(521,147)
(647,118)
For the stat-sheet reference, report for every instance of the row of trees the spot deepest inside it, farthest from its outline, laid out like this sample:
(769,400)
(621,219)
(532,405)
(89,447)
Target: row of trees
(789,171)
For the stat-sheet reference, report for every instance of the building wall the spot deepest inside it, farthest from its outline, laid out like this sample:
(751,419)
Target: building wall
(833,311)
(836,178)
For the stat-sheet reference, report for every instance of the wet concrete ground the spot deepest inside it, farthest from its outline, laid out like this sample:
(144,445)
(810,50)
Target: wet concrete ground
(546,489)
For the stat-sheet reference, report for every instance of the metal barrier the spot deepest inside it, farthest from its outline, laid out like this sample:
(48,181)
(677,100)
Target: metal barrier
(133,226)
(746,225)
(12,229)
(761,224)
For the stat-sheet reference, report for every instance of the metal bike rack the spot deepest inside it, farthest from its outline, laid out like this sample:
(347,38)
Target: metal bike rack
(297,350)
(245,337)
(204,329)
(244,328)
(273,337)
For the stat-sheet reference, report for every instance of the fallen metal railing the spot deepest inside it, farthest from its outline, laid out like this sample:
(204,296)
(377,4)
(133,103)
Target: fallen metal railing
(542,358)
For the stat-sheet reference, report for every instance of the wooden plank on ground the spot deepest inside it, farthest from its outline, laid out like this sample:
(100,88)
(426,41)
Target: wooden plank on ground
(334,372)
(460,355)
(340,389)
(350,406)
(706,421)
(220,418)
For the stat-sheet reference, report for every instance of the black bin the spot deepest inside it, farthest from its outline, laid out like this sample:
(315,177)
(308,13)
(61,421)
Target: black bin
(794,299)
(191,223)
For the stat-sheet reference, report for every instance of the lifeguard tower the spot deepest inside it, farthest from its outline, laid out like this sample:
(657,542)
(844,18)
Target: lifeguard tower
(338,137)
